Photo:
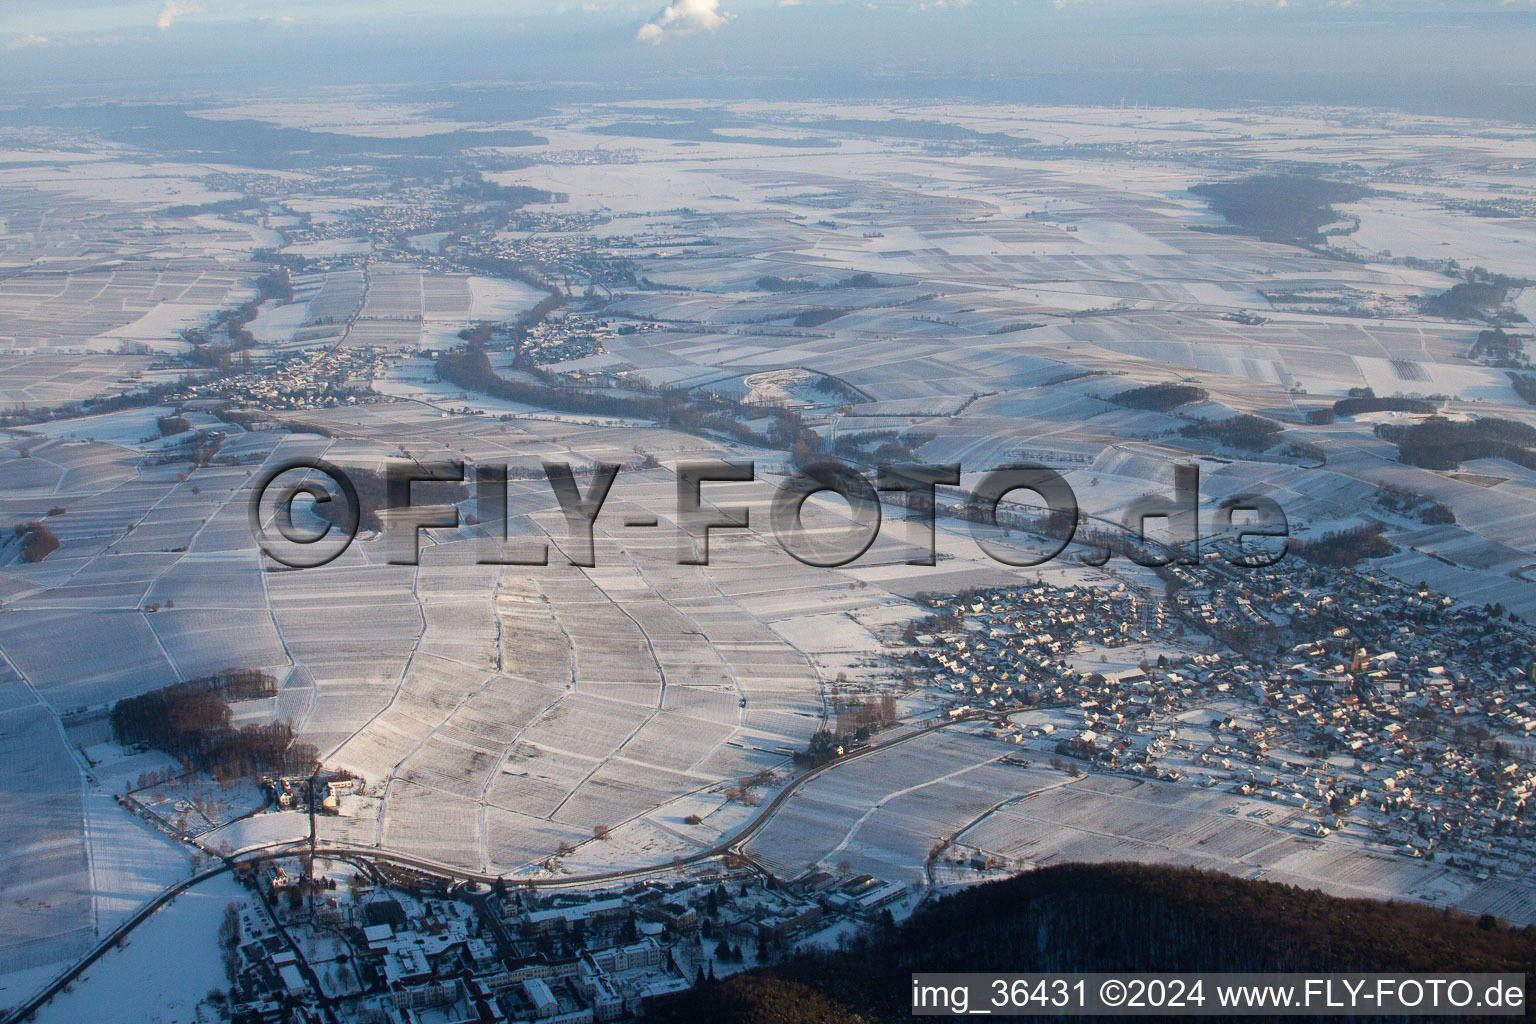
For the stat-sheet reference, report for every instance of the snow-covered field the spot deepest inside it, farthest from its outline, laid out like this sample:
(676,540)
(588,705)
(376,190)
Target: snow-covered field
(495,299)
(169,965)
(503,715)
(885,814)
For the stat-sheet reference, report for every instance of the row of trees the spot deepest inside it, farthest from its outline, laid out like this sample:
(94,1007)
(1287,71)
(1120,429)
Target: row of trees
(170,426)
(1480,294)
(239,684)
(1525,386)
(1439,443)
(470,368)
(191,722)
(863,713)
(214,345)
(1410,503)
(1160,397)
(372,498)
(37,541)
(473,187)
(219,207)
(818,316)
(823,749)
(1500,349)
(502,266)
(1364,400)
(1112,917)
(1250,433)
(769,283)
(1345,547)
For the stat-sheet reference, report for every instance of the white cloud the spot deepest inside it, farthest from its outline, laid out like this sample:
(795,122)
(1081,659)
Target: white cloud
(682,17)
(21,42)
(173,9)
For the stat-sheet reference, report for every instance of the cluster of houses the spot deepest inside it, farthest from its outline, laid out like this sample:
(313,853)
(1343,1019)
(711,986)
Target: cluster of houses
(408,957)
(413,950)
(1360,700)
(404,221)
(321,378)
(327,787)
(572,346)
(862,896)
(1006,647)
(390,214)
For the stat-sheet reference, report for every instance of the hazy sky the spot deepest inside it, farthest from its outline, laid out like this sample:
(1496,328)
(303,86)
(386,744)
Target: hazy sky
(28,23)
(1434,55)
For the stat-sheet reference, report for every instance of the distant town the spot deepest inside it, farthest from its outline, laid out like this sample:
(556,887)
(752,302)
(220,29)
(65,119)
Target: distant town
(481,786)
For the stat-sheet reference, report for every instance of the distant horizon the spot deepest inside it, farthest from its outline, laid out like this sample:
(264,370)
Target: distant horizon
(1421,59)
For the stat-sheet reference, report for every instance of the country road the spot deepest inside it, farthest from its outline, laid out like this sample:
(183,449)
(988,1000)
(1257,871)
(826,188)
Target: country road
(258,853)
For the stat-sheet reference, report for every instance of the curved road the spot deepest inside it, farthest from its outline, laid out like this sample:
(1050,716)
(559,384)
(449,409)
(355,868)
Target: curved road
(257,853)
(113,937)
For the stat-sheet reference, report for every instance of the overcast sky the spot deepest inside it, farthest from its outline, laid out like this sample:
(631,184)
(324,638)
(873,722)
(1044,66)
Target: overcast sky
(1435,55)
